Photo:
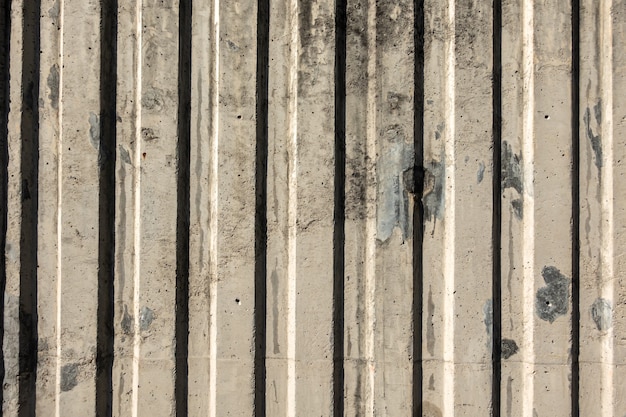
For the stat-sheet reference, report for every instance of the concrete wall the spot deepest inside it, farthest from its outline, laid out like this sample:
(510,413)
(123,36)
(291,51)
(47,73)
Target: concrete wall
(313,208)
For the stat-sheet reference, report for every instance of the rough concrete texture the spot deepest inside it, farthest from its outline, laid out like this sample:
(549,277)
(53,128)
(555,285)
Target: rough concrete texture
(313,208)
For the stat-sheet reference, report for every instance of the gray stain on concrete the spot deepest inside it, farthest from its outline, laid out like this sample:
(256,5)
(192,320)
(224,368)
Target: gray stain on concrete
(434,185)
(397,157)
(124,155)
(146,316)
(513,177)
(509,348)
(431,382)
(430,330)
(488,317)
(430,410)
(602,314)
(69,374)
(53,85)
(94,130)
(481,172)
(596,140)
(127,321)
(552,300)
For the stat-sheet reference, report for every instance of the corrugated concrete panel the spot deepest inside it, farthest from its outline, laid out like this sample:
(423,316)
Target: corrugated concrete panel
(303,208)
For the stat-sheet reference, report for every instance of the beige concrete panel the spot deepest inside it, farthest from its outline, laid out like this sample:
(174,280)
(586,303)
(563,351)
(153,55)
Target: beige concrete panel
(14,219)
(233,212)
(78,147)
(155,229)
(127,175)
(603,70)
(437,394)
(203,120)
(49,226)
(360,209)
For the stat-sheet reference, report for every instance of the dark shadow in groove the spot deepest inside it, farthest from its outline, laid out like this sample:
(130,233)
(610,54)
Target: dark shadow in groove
(339,210)
(496,280)
(418,207)
(181,387)
(260,212)
(29,129)
(575,348)
(5,36)
(106,209)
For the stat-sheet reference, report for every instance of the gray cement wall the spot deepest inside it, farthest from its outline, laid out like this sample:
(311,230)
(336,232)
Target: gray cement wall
(313,208)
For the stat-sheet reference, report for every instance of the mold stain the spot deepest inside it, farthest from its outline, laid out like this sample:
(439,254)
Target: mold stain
(396,159)
(508,348)
(480,174)
(53,85)
(552,300)
(513,177)
(433,195)
(595,139)
(602,314)
(69,376)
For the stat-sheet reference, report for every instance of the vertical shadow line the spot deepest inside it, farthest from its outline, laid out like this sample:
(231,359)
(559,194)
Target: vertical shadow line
(418,207)
(182,209)
(5,36)
(339,208)
(29,159)
(106,208)
(260,212)
(496,225)
(575,348)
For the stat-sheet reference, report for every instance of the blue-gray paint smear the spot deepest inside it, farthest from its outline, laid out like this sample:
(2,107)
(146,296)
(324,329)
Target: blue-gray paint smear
(146,316)
(94,130)
(488,318)
(596,140)
(602,314)
(69,376)
(395,172)
(434,185)
(513,177)
(552,300)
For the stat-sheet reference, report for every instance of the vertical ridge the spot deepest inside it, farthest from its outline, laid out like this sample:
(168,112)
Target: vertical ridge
(293,206)
(5,25)
(106,227)
(575,347)
(528,205)
(183,209)
(449,216)
(29,129)
(339,214)
(418,208)
(260,221)
(497,210)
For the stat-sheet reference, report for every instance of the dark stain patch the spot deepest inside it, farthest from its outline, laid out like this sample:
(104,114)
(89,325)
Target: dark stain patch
(397,157)
(152,99)
(513,177)
(69,375)
(509,348)
(480,174)
(392,19)
(431,382)
(552,300)
(146,317)
(94,130)
(488,317)
(148,134)
(124,155)
(602,314)
(396,100)
(596,140)
(430,326)
(430,410)
(433,196)
(53,85)
(127,321)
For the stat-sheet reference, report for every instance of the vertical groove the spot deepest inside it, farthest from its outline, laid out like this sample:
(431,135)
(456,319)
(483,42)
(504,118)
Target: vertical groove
(339,214)
(214,204)
(183,209)
(293,206)
(29,129)
(528,251)
(5,36)
(575,347)
(137,205)
(418,208)
(260,220)
(449,217)
(497,210)
(106,221)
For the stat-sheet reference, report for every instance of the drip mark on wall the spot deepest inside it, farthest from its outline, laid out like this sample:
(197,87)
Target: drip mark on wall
(596,140)
(512,177)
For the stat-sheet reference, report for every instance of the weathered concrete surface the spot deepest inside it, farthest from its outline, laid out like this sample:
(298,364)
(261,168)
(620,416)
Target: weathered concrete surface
(304,208)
